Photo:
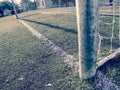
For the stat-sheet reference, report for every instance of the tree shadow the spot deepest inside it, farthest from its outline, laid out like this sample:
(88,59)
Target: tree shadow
(52,26)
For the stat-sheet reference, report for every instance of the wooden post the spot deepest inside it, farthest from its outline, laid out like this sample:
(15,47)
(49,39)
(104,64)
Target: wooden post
(14,9)
(87,22)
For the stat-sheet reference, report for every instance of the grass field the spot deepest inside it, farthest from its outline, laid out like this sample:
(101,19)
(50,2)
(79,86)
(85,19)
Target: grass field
(26,64)
(60,28)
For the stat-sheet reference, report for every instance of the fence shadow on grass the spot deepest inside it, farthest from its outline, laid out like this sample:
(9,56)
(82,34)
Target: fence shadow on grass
(52,26)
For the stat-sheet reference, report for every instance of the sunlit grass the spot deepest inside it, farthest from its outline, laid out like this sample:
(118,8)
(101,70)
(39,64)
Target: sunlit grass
(26,64)
(61,29)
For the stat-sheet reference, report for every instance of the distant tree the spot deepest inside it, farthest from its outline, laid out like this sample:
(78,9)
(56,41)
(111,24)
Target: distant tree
(5,5)
(32,6)
(1,9)
(35,4)
(63,2)
(25,4)
(53,1)
(29,5)
(66,3)
(1,12)
(73,1)
(111,2)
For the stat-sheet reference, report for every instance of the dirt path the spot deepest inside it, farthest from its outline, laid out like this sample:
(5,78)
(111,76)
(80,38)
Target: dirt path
(102,83)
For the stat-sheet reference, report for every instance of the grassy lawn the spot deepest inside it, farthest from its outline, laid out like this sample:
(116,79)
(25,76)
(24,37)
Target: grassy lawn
(61,29)
(26,64)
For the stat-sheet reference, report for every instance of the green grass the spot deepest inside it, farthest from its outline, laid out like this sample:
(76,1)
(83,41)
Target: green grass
(26,64)
(61,29)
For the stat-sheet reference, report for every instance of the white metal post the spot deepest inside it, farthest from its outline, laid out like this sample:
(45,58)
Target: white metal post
(87,22)
(14,9)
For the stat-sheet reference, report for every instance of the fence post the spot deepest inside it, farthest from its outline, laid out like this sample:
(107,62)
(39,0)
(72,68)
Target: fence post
(14,9)
(87,22)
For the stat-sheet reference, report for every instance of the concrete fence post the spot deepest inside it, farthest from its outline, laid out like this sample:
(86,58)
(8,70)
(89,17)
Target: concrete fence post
(87,22)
